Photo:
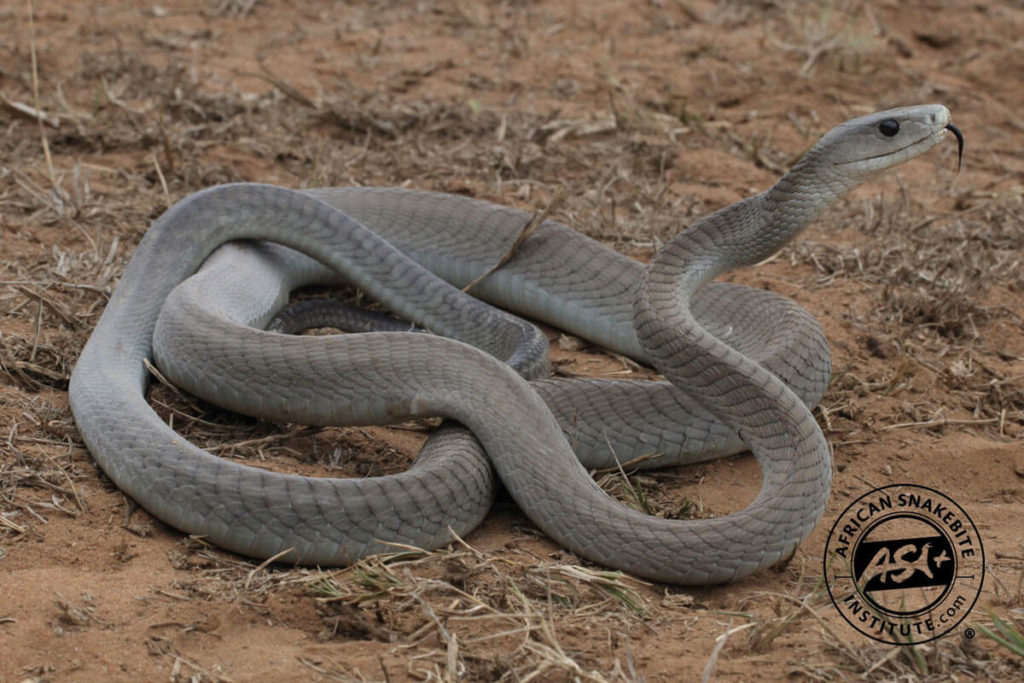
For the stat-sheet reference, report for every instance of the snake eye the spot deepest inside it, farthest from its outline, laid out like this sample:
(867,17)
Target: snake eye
(889,127)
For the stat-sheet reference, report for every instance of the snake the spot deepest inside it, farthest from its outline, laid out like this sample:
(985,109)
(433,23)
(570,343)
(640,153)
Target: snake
(742,367)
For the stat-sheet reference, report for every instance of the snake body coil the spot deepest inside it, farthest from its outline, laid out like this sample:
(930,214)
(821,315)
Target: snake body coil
(741,366)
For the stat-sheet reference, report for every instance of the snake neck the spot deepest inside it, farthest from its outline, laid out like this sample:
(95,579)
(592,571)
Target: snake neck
(742,234)
(800,197)
(752,230)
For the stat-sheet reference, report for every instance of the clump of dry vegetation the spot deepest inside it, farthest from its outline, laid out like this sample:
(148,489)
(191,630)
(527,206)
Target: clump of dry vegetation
(438,601)
(939,283)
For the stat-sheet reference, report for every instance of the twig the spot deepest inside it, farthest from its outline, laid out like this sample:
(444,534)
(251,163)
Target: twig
(265,440)
(53,283)
(709,668)
(163,181)
(31,112)
(38,332)
(11,525)
(264,564)
(458,539)
(153,370)
(535,220)
(279,83)
(35,92)
(941,422)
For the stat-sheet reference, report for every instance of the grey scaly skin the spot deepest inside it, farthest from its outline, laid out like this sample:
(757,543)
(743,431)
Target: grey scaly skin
(662,318)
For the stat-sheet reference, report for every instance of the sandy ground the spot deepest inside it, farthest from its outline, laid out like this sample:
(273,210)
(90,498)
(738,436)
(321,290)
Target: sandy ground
(649,115)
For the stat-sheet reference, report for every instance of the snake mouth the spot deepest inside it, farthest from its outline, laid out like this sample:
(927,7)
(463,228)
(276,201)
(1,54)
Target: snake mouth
(931,140)
(883,154)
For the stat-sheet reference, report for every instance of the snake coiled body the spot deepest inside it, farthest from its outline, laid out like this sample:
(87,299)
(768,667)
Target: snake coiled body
(722,349)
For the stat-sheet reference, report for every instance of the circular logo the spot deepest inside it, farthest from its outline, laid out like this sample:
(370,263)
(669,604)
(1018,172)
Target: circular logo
(904,564)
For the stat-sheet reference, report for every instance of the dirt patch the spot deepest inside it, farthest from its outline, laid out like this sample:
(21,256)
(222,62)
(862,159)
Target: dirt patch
(647,115)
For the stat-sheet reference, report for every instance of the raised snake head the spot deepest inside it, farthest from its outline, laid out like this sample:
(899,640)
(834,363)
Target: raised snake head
(861,147)
(849,154)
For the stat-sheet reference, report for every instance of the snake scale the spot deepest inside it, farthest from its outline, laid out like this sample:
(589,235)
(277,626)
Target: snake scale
(741,366)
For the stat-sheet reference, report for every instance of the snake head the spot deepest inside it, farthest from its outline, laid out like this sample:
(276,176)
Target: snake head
(845,157)
(863,146)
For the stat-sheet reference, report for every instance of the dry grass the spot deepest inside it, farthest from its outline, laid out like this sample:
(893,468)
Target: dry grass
(935,279)
(435,603)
